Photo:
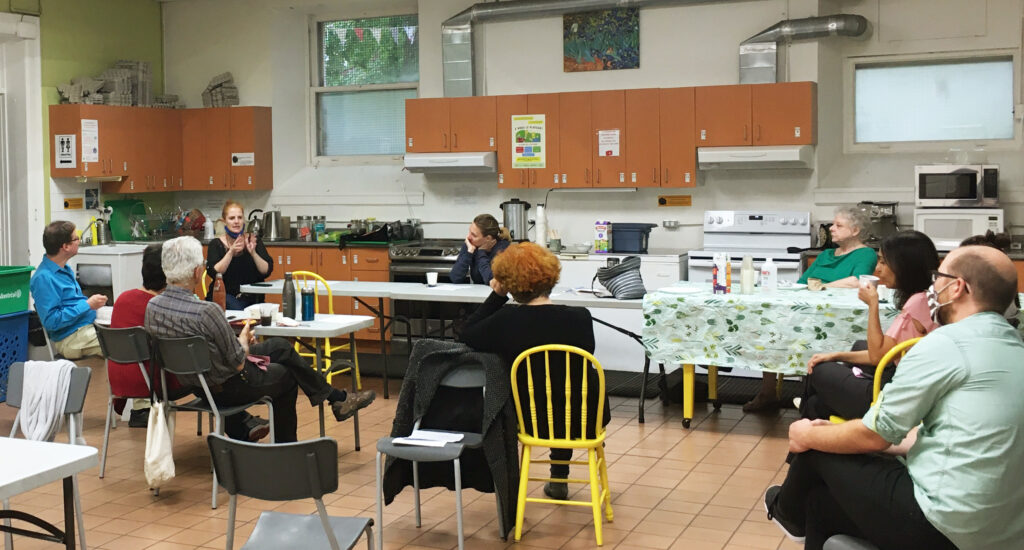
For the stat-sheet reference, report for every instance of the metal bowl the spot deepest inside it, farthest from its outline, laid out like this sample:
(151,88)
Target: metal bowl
(576,248)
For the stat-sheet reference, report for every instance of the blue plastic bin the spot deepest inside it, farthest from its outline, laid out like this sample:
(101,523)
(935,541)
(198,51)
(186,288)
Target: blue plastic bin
(13,345)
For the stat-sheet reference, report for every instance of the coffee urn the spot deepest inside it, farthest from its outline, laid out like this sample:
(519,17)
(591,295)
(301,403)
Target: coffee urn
(515,218)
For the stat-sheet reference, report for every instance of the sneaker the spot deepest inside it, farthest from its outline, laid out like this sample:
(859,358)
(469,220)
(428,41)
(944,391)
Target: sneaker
(557,491)
(258,428)
(354,401)
(790,529)
(761,403)
(139,418)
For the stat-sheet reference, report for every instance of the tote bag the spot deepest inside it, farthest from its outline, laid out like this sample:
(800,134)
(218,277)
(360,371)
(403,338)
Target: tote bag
(159,467)
(623,279)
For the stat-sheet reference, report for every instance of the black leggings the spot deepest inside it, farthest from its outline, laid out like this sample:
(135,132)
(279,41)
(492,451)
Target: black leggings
(833,389)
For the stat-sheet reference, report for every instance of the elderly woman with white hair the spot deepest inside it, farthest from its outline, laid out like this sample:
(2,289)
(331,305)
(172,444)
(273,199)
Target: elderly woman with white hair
(241,370)
(839,267)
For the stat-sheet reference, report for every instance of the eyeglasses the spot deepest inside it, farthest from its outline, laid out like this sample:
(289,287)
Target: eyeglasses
(937,274)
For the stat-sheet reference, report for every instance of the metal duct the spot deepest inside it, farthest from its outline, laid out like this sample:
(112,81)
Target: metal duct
(457,32)
(759,56)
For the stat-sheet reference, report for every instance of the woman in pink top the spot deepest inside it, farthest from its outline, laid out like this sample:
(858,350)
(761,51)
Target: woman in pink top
(840,383)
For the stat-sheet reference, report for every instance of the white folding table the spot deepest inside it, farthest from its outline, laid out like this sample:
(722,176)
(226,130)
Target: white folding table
(30,464)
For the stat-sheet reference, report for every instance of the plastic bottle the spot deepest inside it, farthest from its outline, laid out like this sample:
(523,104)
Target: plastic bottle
(288,297)
(747,275)
(541,227)
(769,276)
(728,274)
(714,274)
(220,296)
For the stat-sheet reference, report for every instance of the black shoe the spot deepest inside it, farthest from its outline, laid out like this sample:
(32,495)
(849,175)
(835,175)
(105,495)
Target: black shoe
(557,491)
(761,403)
(354,401)
(139,418)
(790,529)
(258,428)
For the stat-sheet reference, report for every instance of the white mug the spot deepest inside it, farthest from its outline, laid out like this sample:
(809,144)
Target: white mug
(431,278)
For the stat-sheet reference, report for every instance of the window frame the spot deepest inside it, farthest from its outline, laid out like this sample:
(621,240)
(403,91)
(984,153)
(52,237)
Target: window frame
(850,65)
(314,90)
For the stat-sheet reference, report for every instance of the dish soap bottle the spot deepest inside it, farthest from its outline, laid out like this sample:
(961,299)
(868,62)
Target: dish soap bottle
(747,275)
(769,276)
(288,297)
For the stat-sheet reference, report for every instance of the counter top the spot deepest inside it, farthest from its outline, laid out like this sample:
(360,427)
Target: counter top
(116,249)
(302,244)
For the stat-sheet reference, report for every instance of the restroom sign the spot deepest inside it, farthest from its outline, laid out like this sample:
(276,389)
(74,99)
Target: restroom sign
(64,148)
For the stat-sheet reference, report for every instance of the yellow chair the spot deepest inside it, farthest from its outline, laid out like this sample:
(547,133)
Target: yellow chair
(308,279)
(898,350)
(600,494)
(205,284)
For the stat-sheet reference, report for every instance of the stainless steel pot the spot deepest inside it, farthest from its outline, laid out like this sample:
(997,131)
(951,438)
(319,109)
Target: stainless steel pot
(515,219)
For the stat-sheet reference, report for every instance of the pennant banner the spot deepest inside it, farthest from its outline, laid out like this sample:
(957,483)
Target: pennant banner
(342,35)
(376,34)
(394,34)
(411,33)
(359,33)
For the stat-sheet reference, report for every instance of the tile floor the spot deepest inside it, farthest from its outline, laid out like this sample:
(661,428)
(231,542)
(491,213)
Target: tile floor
(672,488)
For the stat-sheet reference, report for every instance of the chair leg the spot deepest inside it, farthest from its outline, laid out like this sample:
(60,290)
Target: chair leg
(199,424)
(232,502)
(458,504)
(524,479)
(416,490)
(643,387)
(608,514)
(8,538)
(380,504)
(595,494)
(106,435)
(355,417)
(778,386)
(78,512)
(218,429)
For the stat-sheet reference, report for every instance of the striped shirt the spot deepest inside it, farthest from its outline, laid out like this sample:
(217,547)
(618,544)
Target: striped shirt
(177,313)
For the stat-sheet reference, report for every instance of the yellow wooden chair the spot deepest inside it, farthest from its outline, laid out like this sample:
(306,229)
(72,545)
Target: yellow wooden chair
(308,279)
(600,494)
(204,284)
(898,350)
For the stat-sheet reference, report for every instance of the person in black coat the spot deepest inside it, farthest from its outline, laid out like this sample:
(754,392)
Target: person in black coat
(529,272)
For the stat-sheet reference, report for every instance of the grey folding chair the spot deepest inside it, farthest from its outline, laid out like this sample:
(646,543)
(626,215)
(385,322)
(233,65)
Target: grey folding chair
(286,471)
(464,377)
(191,357)
(72,407)
(846,542)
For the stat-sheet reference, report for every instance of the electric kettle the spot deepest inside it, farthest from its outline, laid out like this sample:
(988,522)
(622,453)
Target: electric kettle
(273,229)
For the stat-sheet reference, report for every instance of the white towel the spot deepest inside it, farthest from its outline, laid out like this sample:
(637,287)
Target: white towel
(44,394)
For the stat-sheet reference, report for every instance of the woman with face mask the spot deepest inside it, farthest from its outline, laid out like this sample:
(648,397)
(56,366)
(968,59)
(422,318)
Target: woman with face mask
(841,383)
(485,239)
(239,256)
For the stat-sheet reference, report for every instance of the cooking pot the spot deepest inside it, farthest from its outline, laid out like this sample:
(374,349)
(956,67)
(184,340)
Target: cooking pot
(273,228)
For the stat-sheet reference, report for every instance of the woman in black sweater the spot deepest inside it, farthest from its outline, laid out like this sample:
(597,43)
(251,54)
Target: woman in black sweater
(529,272)
(239,256)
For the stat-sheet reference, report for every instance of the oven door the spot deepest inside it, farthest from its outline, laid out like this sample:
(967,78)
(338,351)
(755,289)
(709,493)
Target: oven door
(430,319)
(699,268)
(949,186)
(416,272)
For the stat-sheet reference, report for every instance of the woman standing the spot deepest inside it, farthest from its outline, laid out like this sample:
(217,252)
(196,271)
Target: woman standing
(837,268)
(240,257)
(835,385)
(485,239)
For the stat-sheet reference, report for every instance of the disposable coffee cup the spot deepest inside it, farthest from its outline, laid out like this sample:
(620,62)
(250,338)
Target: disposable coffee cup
(431,278)
(869,280)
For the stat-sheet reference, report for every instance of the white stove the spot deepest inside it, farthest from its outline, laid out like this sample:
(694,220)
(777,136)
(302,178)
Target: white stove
(760,234)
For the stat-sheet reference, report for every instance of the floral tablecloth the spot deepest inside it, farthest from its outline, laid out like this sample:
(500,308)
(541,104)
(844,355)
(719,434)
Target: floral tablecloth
(771,331)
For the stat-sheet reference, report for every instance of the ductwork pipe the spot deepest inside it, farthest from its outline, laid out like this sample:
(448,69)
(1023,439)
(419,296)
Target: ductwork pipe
(759,55)
(457,32)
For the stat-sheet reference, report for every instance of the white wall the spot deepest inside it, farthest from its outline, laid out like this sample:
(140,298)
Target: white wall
(265,45)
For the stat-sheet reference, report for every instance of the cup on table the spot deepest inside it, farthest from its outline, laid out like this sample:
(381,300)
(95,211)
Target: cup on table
(267,313)
(869,280)
(815,284)
(555,245)
(431,278)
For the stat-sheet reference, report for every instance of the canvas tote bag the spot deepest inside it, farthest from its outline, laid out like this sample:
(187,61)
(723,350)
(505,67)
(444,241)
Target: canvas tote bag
(159,466)
(623,279)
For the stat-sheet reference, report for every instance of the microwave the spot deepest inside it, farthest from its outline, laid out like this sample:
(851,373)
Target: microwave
(947,227)
(956,186)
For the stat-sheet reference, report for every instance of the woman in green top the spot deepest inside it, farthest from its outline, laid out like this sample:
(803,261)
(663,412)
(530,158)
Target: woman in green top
(836,267)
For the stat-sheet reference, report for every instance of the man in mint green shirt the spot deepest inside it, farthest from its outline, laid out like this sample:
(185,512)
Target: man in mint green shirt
(955,404)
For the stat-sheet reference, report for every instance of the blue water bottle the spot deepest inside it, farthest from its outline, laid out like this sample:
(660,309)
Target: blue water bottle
(308,304)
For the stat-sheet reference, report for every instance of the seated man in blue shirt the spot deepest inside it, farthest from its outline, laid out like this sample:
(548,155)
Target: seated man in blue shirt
(953,408)
(63,310)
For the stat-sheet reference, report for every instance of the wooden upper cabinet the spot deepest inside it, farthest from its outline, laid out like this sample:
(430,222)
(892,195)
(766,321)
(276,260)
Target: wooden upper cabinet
(608,115)
(250,156)
(193,139)
(678,148)
(723,116)
(784,113)
(473,123)
(170,131)
(575,139)
(548,105)
(642,138)
(227,148)
(427,125)
(115,145)
(507,106)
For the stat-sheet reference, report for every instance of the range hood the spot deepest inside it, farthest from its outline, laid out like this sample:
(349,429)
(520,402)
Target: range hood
(747,158)
(484,161)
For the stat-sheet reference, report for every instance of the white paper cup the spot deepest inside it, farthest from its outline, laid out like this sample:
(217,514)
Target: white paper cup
(871,280)
(431,278)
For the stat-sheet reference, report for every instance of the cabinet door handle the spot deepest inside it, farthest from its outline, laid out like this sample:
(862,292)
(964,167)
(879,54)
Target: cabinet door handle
(455,141)
(586,175)
(654,175)
(599,176)
(758,138)
(744,132)
(445,137)
(279,260)
(211,180)
(666,176)
(289,258)
(372,260)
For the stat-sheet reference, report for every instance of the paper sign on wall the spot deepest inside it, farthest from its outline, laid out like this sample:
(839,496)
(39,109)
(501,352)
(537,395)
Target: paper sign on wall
(243,159)
(90,140)
(64,145)
(528,146)
(608,143)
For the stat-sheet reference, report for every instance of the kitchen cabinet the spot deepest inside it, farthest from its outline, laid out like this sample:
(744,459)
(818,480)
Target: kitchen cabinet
(608,115)
(227,148)
(115,143)
(782,113)
(532,104)
(643,151)
(677,140)
(370,264)
(332,264)
(156,159)
(458,124)
(576,140)
(506,106)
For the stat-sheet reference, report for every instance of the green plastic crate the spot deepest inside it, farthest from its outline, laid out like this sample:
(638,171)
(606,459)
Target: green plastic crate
(14,288)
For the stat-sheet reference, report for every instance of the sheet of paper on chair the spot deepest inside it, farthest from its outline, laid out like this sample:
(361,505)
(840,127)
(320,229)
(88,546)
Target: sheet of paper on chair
(417,442)
(447,437)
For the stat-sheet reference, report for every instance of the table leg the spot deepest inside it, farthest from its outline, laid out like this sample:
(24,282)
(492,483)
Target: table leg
(69,514)
(687,394)
(319,352)
(383,350)
(643,386)
(713,387)
(355,388)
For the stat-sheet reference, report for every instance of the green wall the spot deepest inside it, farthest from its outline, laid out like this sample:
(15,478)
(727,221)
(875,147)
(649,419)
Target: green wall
(84,37)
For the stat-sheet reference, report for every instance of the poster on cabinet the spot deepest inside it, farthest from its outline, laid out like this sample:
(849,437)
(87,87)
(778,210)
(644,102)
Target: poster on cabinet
(528,147)
(90,140)
(64,145)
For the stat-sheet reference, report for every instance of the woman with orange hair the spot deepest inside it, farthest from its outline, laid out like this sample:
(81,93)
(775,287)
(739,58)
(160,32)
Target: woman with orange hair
(528,272)
(239,256)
